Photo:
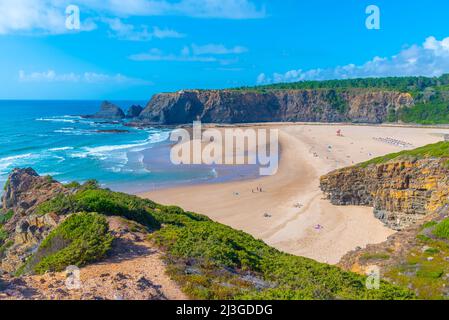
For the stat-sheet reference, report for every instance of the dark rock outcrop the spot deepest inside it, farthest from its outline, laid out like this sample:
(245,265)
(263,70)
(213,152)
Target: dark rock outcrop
(134,111)
(107,111)
(228,106)
(401,192)
(24,191)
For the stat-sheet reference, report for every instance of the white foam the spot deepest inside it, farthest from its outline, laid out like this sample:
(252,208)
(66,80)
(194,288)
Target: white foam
(61,149)
(7,162)
(56,120)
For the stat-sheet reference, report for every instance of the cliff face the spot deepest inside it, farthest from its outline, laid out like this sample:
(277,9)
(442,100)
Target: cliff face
(277,106)
(401,192)
(24,191)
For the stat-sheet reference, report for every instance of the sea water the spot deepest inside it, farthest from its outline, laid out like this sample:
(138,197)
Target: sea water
(52,138)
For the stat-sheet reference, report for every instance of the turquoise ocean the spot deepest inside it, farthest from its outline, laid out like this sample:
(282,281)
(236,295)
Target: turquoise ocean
(52,138)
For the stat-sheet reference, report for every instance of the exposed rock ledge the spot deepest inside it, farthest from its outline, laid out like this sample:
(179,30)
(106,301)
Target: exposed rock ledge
(401,192)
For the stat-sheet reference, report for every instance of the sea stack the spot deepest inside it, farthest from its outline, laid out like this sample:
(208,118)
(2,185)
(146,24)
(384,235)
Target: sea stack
(108,110)
(134,111)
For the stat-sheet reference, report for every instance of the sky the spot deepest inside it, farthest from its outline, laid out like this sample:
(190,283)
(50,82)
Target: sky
(130,50)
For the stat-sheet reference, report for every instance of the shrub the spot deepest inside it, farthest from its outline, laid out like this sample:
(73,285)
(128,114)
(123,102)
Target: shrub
(223,255)
(374,256)
(49,179)
(116,204)
(61,204)
(3,235)
(429,224)
(89,199)
(214,242)
(6,217)
(80,239)
(442,229)
(430,274)
(5,246)
(432,251)
(73,185)
(173,215)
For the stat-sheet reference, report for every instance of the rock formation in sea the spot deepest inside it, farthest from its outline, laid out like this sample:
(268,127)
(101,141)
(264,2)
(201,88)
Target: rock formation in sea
(233,106)
(109,111)
(134,111)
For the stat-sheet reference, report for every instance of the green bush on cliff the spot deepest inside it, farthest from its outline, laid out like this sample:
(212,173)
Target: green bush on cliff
(117,204)
(3,235)
(172,215)
(442,229)
(426,113)
(213,261)
(437,150)
(106,202)
(80,239)
(4,218)
(208,259)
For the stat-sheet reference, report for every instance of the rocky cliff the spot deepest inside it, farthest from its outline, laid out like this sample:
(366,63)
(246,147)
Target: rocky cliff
(400,191)
(24,191)
(228,106)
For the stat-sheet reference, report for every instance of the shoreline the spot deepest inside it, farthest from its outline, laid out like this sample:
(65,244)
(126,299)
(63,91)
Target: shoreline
(291,214)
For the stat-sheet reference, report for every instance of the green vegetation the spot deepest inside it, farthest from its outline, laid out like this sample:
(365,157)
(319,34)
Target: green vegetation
(91,199)
(426,113)
(431,95)
(5,246)
(82,238)
(3,235)
(403,84)
(209,260)
(426,267)
(4,218)
(437,150)
(49,179)
(73,185)
(213,261)
(375,256)
(442,230)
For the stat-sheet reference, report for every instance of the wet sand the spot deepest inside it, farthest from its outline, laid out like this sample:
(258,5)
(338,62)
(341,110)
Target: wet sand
(291,214)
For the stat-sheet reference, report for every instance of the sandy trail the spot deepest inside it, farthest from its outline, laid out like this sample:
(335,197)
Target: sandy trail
(291,214)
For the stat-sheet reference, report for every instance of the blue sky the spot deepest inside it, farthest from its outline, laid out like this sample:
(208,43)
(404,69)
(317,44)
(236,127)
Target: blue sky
(133,49)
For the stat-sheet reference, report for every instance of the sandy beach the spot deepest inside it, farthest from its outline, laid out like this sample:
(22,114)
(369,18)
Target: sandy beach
(291,214)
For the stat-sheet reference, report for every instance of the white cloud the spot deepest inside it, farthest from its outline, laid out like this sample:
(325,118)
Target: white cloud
(36,16)
(429,59)
(86,77)
(158,55)
(48,16)
(217,49)
(193,53)
(225,9)
(124,31)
